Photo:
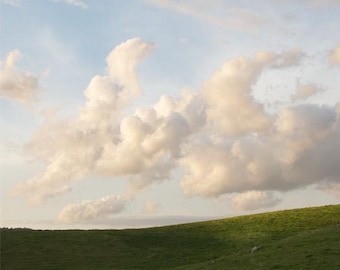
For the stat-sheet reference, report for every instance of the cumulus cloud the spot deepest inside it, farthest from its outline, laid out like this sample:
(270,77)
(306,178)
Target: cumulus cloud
(15,84)
(252,200)
(91,210)
(301,149)
(221,137)
(266,152)
(72,148)
(335,55)
(231,107)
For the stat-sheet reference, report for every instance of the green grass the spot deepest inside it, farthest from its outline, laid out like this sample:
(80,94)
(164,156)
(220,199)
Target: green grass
(306,238)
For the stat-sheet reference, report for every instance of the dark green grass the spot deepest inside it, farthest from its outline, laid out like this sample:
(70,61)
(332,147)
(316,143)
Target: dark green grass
(306,238)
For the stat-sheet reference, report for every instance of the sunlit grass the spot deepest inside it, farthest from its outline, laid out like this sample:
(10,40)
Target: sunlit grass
(295,239)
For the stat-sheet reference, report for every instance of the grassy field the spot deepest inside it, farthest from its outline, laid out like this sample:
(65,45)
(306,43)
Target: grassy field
(306,238)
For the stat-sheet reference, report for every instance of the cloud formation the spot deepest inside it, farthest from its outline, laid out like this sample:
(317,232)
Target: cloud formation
(15,84)
(91,210)
(221,137)
(301,149)
(79,144)
(231,108)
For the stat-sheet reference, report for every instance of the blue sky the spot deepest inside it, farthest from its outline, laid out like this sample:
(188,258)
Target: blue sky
(149,112)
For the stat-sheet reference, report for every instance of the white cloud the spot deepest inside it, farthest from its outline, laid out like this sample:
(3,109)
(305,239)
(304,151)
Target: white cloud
(212,169)
(15,84)
(301,149)
(91,210)
(252,200)
(122,62)
(150,141)
(76,3)
(231,107)
(79,143)
(221,137)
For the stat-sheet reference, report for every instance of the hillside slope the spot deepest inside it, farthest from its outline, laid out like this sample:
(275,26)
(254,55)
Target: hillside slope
(306,238)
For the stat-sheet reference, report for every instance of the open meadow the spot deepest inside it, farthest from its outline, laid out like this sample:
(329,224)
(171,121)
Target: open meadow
(306,238)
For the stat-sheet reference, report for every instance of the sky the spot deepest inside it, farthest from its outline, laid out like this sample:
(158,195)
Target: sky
(120,114)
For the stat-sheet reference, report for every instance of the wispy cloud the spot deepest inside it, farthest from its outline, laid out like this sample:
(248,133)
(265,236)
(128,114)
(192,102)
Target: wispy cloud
(151,207)
(317,4)
(76,3)
(226,17)
(16,3)
(322,3)
(15,84)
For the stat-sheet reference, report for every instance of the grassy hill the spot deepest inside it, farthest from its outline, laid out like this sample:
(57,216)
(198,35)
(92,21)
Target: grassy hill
(306,238)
